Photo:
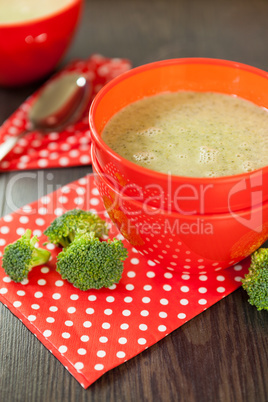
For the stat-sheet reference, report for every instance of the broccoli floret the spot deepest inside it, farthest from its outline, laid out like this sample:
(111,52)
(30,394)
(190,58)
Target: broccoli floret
(63,229)
(22,255)
(256,281)
(89,263)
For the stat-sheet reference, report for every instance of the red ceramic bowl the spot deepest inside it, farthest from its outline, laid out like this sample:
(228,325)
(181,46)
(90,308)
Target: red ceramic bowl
(194,243)
(185,195)
(31,49)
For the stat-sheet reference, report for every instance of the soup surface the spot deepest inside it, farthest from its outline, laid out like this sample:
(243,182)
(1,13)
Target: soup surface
(24,10)
(191,134)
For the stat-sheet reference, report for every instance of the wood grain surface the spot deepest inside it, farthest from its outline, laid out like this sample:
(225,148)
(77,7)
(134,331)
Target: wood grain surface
(221,355)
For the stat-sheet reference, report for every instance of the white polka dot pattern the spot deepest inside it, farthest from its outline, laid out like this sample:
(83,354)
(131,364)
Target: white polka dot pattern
(72,146)
(94,331)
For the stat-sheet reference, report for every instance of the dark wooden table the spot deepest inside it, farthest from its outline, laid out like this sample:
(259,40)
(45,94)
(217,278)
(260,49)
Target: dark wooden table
(221,355)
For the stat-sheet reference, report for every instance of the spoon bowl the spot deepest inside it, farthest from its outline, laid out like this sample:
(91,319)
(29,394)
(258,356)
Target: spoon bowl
(59,103)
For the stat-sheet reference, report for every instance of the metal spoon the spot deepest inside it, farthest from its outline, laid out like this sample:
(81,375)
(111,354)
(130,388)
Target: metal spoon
(61,102)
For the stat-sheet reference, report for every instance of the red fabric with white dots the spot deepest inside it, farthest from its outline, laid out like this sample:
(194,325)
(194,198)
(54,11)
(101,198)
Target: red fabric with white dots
(91,332)
(70,147)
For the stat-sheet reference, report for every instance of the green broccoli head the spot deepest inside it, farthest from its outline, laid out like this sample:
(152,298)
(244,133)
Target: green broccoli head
(256,281)
(63,229)
(89,263)
(22,255)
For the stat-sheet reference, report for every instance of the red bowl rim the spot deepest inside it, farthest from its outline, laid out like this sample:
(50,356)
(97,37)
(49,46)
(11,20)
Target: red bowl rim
(37,20)
(217,216)
(158,64)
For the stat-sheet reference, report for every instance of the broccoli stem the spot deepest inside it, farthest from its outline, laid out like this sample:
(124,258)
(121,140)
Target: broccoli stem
(64,241)
(23,255)
(39,257)
(27,235)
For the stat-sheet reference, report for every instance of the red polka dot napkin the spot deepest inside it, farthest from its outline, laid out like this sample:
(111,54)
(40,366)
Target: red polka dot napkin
(91,332)
(70,147)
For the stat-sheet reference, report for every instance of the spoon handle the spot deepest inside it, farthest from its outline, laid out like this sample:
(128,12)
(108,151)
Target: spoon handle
(6,147)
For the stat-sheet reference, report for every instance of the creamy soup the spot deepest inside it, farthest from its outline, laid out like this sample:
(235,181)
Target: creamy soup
(191,134)
(24,10)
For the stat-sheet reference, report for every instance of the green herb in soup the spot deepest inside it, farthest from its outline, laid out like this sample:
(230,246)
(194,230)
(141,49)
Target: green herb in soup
(191,134)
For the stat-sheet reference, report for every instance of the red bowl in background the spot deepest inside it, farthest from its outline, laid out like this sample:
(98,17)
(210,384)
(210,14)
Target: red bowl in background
(186,243)
(187,195)
(29,50)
